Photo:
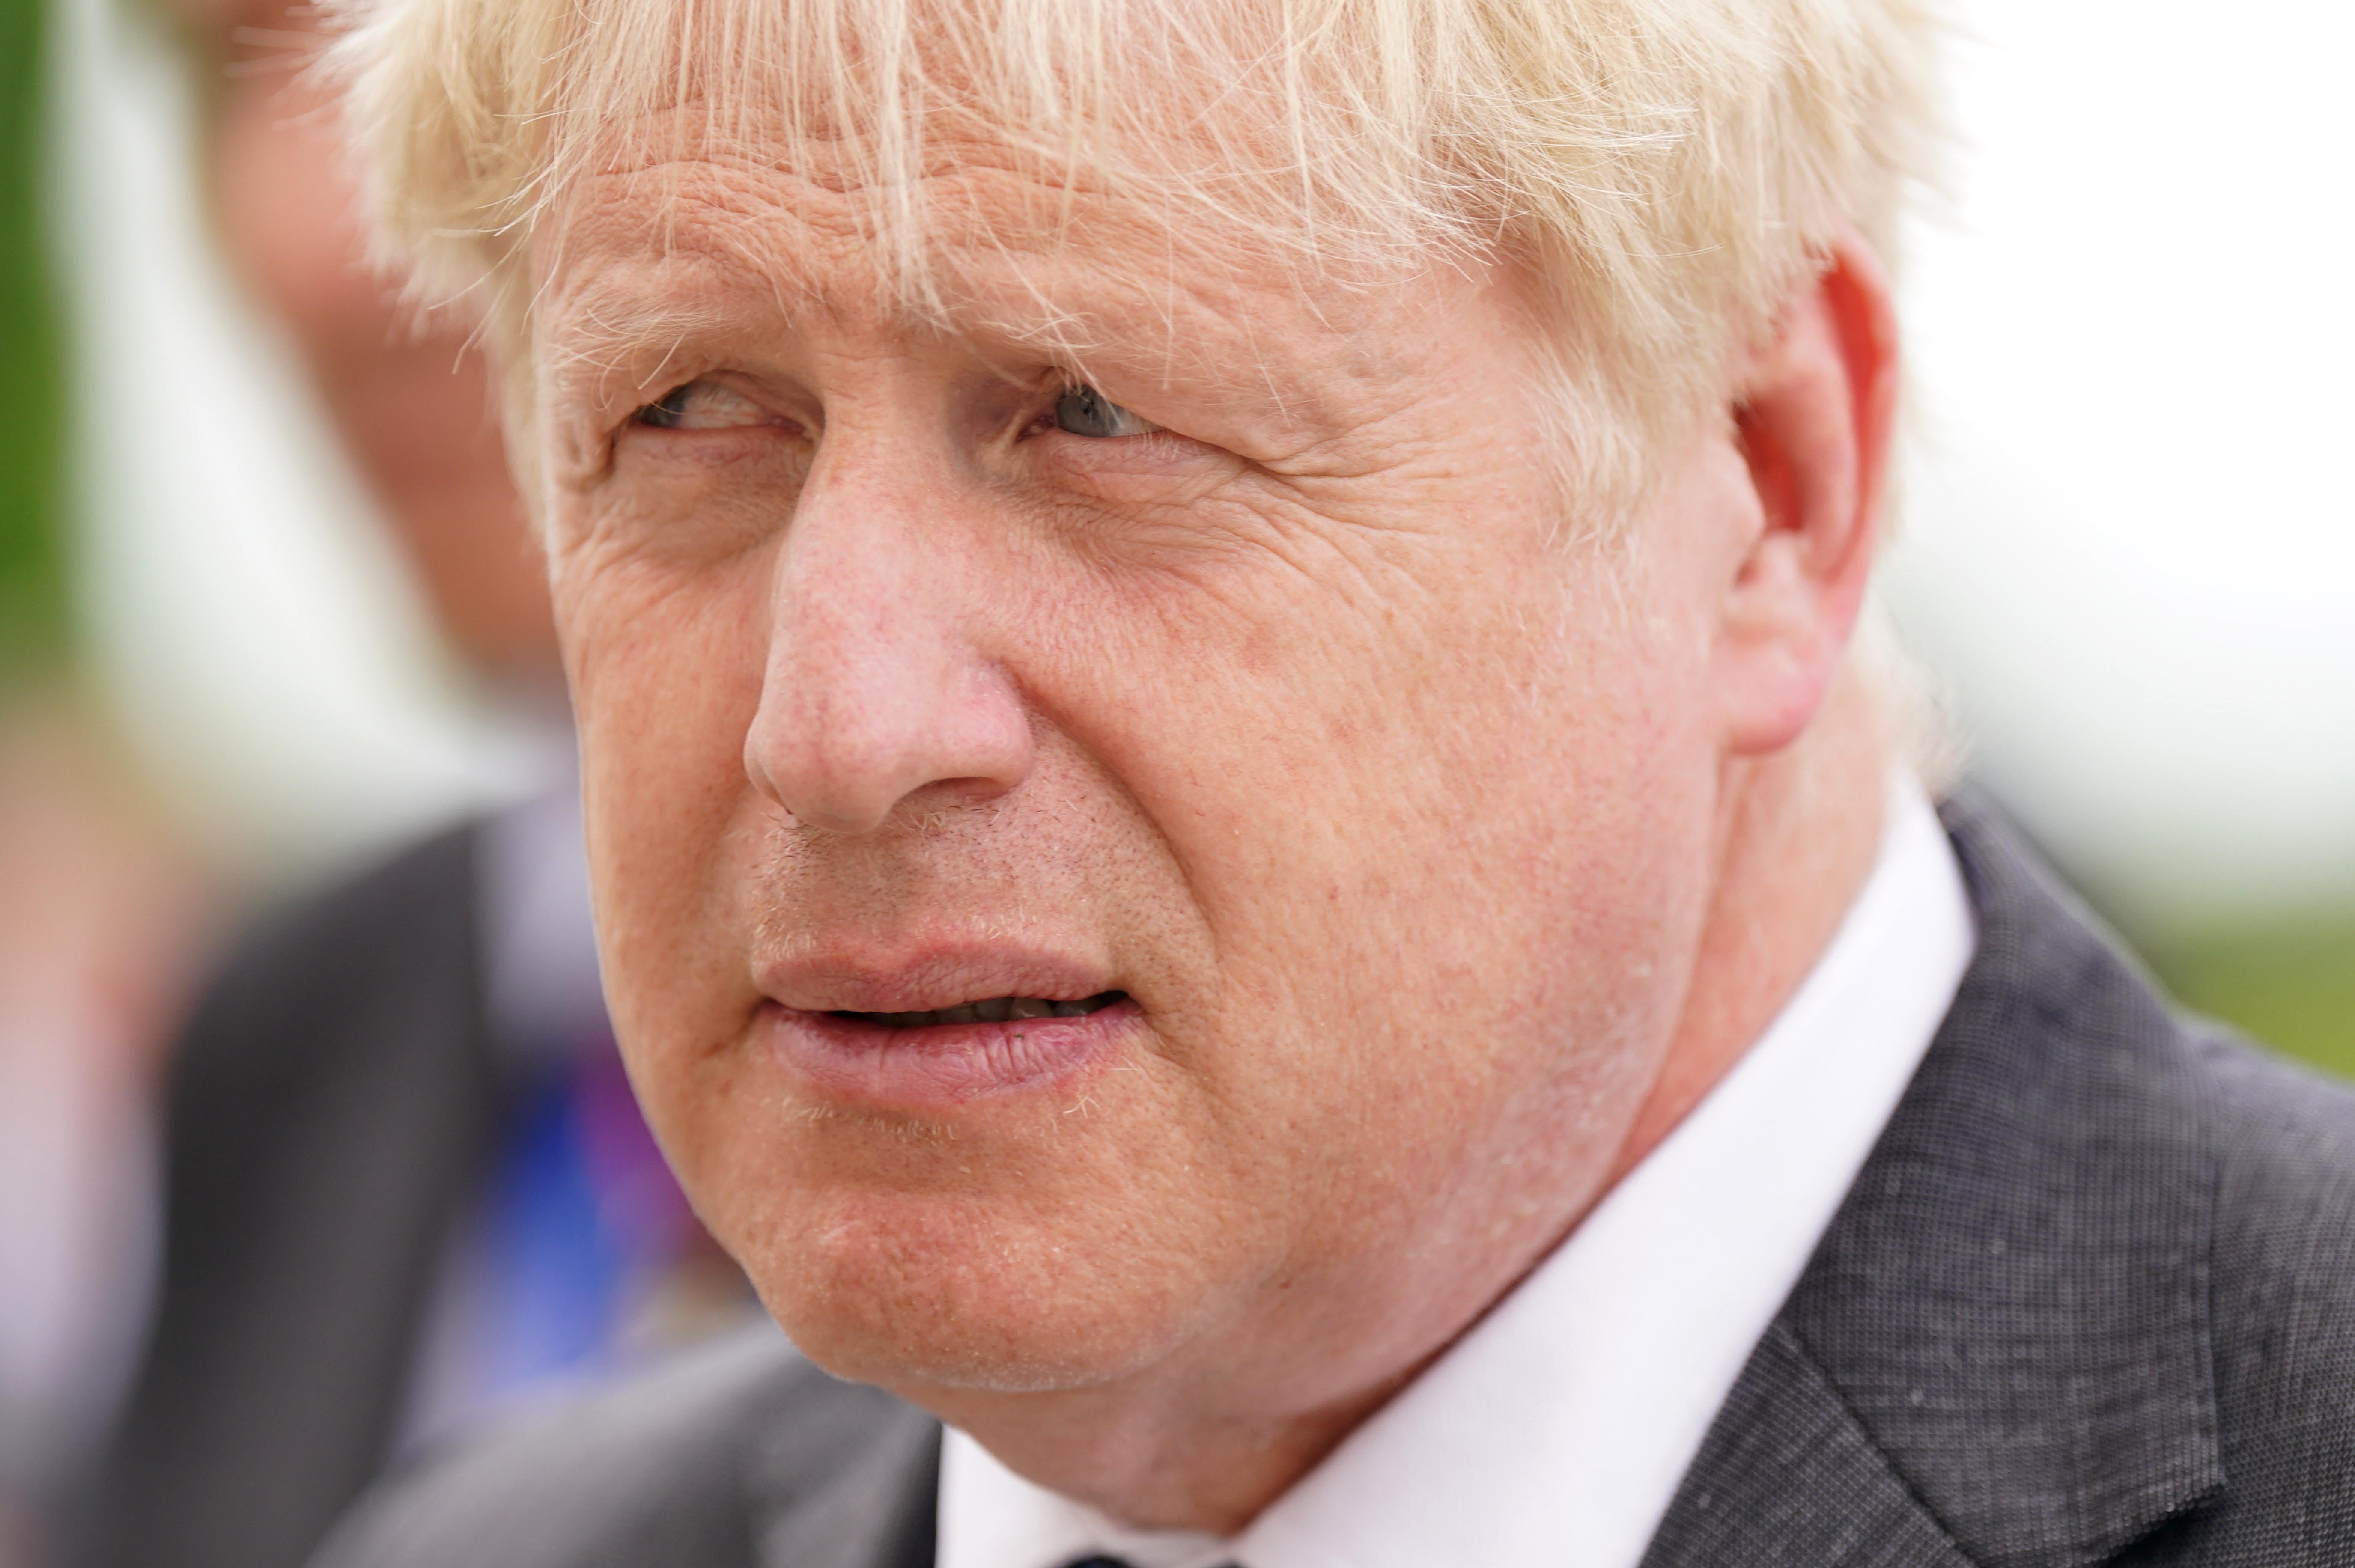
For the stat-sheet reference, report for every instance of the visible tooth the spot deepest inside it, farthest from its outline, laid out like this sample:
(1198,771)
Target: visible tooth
(1028,1007)
(994,1010)
(1070,1009)
(962,1013)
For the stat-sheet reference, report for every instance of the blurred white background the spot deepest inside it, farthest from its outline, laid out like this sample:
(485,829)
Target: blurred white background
(2130,548)
(262,640)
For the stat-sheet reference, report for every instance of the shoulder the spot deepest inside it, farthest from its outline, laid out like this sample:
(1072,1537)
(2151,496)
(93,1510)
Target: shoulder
(2281,1252)
(2114,1087)
(2188,1199)
(2276,1268)
(344,980)
(2099,1273)
(678,1467)
(2284,1136)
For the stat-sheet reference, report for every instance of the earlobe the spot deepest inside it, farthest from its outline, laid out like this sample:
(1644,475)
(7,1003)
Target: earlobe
(1812,423)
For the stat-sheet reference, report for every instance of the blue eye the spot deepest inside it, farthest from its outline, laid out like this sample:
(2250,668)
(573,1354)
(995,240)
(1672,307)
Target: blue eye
(1084,411)
(702,406)
(665,412)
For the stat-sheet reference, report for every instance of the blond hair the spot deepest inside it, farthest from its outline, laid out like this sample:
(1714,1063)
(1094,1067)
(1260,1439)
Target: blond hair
(1667,169)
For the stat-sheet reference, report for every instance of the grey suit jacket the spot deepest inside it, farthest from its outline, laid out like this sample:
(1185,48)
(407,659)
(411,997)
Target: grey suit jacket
(2091,1300)
(331,1101)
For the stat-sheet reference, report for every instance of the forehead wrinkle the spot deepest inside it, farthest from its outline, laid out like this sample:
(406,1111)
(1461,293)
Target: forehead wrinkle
(722,274)
(986,207)
(628,285)
(746,248)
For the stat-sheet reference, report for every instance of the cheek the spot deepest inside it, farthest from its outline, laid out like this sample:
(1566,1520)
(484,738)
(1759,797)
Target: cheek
(665,676)
(1424,838)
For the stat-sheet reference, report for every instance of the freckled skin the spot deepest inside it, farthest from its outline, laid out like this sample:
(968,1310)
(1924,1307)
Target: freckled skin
(1435,854)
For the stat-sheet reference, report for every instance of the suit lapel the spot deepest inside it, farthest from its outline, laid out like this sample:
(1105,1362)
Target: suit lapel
(1792,1479)
(2002,1339)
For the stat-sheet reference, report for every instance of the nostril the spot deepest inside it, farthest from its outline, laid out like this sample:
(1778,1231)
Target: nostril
(851,778)
(875,690)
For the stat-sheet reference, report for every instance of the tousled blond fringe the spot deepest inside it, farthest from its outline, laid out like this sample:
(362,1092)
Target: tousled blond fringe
(1667,169)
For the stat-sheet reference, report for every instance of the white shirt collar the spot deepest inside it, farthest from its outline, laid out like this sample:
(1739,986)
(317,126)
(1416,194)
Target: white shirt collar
(1570,1412)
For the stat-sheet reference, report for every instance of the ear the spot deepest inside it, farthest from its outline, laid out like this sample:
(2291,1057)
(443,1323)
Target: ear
(1813,416)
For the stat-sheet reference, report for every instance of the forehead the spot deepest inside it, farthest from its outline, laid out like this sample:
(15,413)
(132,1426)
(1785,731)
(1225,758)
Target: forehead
(984,248)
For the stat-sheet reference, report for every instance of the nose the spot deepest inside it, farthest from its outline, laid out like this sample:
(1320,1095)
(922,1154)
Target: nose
(876,690)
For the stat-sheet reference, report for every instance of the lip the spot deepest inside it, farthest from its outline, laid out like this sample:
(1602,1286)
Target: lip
(940,1067)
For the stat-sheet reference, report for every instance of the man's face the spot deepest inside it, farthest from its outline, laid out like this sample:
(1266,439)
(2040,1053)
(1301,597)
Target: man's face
(1359,822)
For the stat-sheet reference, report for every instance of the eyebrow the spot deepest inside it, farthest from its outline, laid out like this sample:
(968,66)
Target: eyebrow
(603,329)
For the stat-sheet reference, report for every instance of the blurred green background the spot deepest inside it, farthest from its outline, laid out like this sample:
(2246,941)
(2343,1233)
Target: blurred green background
(33,613)
(2288,979)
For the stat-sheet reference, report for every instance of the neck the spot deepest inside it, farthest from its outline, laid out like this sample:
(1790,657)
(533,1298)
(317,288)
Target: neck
(1798,832)
(1796,836)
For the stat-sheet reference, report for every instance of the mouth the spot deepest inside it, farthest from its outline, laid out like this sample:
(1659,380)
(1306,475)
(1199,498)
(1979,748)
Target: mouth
(995,1010)
(1024,1040)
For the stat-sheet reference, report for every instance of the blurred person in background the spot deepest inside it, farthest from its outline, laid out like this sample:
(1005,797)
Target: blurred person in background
(99,897)
(406,1183)
(100,904)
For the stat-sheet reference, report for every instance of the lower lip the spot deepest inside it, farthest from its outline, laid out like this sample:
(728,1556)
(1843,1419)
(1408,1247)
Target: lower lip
(942,1066)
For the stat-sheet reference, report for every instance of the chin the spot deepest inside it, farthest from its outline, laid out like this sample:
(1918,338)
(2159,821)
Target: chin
(913,1292)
